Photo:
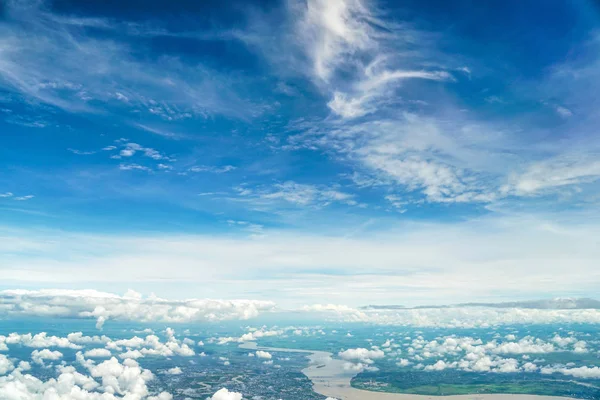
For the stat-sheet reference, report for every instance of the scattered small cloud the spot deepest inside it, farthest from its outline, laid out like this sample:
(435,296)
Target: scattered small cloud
(80,152)
(216,170)
(130,167)
(24,198)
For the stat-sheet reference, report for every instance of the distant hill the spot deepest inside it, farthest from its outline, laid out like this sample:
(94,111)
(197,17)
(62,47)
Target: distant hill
(559,303)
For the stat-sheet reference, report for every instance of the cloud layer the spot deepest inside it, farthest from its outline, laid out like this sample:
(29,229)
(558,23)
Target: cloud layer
(129,307)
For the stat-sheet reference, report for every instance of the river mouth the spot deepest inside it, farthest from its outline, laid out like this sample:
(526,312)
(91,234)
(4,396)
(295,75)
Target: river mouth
(329,378)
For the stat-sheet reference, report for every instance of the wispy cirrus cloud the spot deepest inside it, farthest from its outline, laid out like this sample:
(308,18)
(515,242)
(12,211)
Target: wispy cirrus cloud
(549,175)
(12,196)
(296,194)
(209,168)
(356,55)
(59,61)
(437,150)
(440,162)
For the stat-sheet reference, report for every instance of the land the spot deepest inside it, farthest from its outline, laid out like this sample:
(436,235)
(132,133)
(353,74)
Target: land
(330,379)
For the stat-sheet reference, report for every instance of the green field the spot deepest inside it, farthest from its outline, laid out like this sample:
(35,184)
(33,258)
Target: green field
(443,384)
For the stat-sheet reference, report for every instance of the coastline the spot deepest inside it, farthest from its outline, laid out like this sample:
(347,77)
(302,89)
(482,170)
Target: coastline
(330,379)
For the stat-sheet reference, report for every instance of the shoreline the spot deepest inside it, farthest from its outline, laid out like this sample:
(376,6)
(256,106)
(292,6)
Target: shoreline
(331,380)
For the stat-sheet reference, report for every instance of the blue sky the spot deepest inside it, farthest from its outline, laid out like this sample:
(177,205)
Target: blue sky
(421,152)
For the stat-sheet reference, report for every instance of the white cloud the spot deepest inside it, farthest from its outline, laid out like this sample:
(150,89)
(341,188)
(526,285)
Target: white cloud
(578,372)
(122,378)
(403,362)
(333,31)
(224,394)
(346,38)
(549,175)
(217,170)
(369,92)
(98,353)
(580,347)
(361,354)
(466,317)
(133,354)
(251,336)
(39,356)
(103,306)
(563,111)
(49,60)
(563,341)
(131,167)
(174,371)
(127,152)
(357,368)
(472,354)
(525,345)
(513,256)
(298,194)
(80,152)
(24,198)
(440,365)
(5,365)
(264,354)
(360,60)
(530,367)
(130,149)
(79,339)
(24,365)
(40,340)
(423,156)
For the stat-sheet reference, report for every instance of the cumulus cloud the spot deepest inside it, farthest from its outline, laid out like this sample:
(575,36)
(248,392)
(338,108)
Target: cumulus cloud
(361,354)
(224,394)
(476,355)
(525,345)
(440,365)
(5,365)
(174,371)
(151,345)
(39,356)
(578,372)
(264,354)
(103,306)
(403,362)
(253,335)
(136,347)
(98,353)
(109,380)
(359,367)
(134,354)
(39,340)
(463,317)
